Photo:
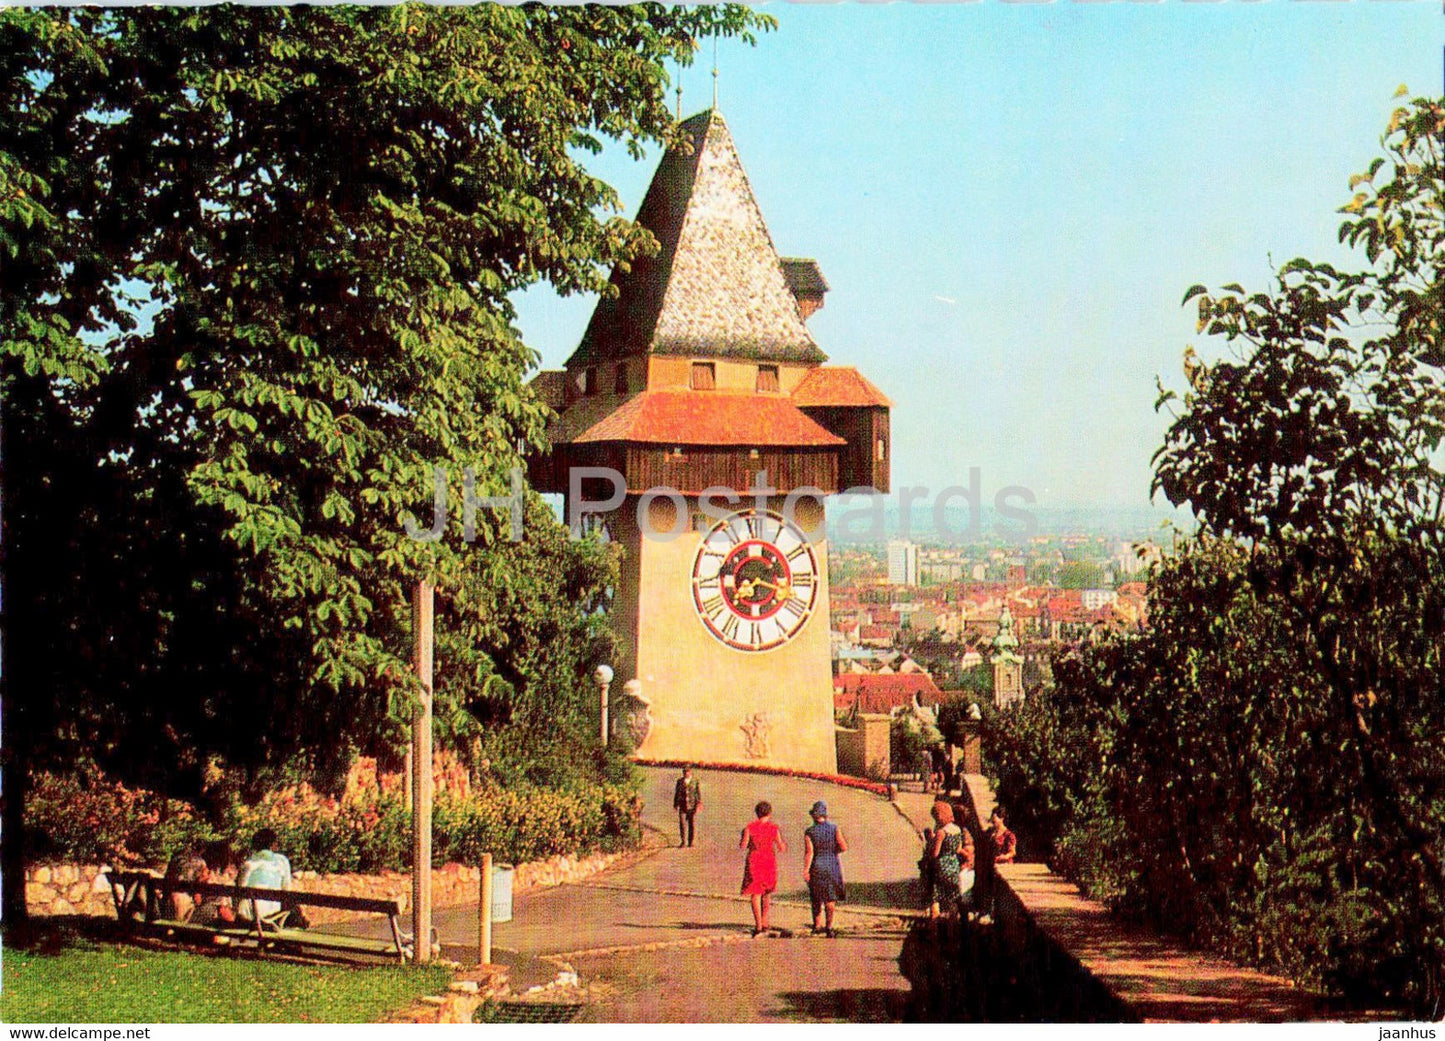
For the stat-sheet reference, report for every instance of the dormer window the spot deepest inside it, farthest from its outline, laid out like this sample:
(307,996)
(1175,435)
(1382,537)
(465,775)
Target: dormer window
(704,376)
(768,379)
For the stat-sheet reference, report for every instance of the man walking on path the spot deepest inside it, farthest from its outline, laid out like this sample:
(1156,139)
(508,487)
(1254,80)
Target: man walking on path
(687,800)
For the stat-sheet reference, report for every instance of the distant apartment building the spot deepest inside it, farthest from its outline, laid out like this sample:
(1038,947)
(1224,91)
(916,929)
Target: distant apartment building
(902,563)
(938,574)
(1093,599)
(1133,558)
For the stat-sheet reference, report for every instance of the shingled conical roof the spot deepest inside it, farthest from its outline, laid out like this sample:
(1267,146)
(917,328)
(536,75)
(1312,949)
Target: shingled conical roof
(716,287)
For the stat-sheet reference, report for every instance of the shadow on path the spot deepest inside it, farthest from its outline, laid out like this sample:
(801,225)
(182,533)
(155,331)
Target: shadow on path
(711,927)
(904,895)
(964,972)
(846,1006)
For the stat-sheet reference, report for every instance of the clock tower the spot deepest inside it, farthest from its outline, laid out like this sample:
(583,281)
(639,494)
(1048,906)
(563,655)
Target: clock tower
(700,396)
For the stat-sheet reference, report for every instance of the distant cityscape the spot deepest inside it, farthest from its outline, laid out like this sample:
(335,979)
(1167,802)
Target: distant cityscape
(918,625)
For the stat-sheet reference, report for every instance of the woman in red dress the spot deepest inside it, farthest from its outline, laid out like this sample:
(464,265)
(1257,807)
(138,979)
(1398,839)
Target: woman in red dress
(763,841)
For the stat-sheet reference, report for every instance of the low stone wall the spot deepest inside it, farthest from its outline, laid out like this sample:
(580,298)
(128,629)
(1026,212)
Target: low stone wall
(61,889)
(66,889)
(453,885)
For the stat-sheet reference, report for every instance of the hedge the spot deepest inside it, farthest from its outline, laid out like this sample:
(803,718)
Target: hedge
(92,820)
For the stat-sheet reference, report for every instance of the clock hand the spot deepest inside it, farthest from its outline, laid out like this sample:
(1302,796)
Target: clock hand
(782,589)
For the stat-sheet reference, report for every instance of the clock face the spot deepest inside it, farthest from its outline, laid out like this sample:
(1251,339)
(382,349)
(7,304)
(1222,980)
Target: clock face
(755,580)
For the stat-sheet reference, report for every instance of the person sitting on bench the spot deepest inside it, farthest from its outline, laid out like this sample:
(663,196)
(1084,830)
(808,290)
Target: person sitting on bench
(199,863)
(265,869)
(217,910)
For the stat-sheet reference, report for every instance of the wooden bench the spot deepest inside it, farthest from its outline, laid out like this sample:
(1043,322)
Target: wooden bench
(142,897)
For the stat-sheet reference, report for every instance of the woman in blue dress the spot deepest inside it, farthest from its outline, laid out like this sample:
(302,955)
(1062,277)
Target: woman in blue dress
(821,845)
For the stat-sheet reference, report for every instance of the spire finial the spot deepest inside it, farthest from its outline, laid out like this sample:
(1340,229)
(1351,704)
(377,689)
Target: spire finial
(714,73)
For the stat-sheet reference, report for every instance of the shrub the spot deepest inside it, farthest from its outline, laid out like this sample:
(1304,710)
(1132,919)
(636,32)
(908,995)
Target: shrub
(87,818)
(1212,776)
(365,831)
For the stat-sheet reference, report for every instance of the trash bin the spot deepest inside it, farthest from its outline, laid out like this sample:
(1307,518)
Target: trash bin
(502,892)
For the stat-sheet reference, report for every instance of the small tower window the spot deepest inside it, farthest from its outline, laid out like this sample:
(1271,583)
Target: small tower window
(768,378)
(704,375)
(589,382)
(882,449)
(619,384)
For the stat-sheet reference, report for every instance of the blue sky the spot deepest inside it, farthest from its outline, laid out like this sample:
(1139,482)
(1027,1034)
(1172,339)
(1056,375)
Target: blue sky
(1009,201)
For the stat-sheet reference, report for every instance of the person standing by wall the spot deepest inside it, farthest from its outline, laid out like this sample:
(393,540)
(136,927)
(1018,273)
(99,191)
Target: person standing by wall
(1001,847)
(1005,842)
(687,800)
(945,849)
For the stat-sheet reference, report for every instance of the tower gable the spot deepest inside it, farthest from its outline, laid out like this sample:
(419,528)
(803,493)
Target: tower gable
(716,287)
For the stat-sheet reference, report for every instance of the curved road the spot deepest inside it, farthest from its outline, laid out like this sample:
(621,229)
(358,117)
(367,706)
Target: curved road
(666,938)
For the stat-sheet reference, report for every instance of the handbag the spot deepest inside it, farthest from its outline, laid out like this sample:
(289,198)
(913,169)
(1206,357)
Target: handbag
(965,881)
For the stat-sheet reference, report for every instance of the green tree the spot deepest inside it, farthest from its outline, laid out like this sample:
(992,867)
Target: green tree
(257,266)
(1318,446)
(1080,574)
(1267,760)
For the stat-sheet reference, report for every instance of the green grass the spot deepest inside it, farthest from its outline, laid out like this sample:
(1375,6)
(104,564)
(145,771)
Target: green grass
(70,979)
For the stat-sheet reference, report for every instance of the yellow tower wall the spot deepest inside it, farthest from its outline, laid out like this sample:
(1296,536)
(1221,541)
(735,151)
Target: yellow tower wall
(711,702)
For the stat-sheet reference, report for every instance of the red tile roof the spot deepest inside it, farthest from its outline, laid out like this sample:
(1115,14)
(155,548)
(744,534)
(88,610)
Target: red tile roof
(882,693)
(688,417)
(838,385)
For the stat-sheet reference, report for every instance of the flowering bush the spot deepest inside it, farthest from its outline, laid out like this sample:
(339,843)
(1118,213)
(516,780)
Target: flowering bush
(90,818)
(367,829)
(842,780)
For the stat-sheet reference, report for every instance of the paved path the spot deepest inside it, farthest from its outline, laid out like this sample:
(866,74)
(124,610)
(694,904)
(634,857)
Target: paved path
(667,937)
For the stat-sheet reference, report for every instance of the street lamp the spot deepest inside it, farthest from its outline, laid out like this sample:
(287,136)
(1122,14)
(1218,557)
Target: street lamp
(602,675)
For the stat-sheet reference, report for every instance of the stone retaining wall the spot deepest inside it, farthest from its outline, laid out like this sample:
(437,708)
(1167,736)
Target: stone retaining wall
(66,889)
(60,889)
